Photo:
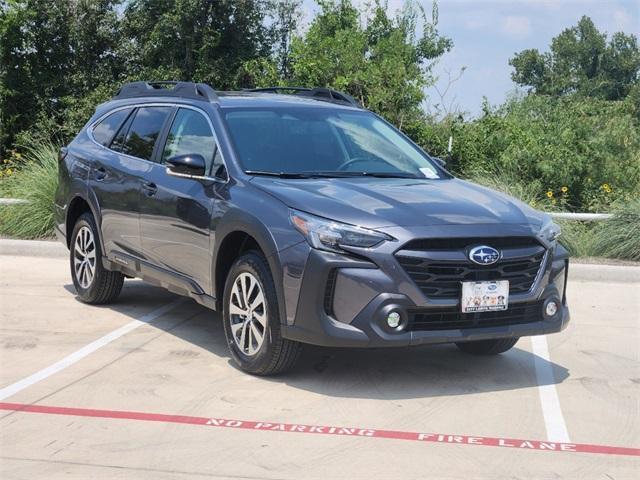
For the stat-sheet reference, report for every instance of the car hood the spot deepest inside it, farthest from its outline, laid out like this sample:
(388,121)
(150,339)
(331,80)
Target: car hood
(387,202)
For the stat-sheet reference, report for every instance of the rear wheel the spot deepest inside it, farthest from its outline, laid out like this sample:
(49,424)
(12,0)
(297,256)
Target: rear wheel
(93,282)
(487,347)
(252,320)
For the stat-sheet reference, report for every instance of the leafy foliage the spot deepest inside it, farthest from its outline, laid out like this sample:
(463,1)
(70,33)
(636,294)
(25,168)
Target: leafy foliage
(36,184)
(380,60)
(578,238)
(580,154)
(196,40)
(51,54)
(581,61)
(58,58)
(620,236)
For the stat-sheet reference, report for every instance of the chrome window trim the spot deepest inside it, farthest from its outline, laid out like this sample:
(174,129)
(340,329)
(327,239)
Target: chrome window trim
(163,104)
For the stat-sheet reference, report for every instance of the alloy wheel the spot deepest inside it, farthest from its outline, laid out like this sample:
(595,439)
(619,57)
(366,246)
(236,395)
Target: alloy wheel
(84,257)
(247,313)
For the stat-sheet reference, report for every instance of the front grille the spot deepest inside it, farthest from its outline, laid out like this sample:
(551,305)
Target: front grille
(448,318)
(439,272)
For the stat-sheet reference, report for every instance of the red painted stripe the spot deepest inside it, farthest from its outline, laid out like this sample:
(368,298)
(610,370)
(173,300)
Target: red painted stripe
(328,430)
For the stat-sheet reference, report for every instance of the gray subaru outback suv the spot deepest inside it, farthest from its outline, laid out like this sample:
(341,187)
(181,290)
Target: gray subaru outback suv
(302,218)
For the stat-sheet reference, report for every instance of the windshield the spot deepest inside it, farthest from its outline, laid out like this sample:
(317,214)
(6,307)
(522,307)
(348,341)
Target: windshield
(303,142)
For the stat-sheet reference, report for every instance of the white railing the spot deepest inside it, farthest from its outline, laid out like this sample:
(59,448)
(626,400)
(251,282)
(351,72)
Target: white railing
(582,217)
(11,201)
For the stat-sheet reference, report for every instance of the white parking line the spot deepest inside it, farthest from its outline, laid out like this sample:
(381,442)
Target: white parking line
(84,351)
(551,411)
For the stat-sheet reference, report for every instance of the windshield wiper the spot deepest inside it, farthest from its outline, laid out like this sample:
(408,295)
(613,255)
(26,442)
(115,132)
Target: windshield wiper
(278,174)
(389,175)
(339,174)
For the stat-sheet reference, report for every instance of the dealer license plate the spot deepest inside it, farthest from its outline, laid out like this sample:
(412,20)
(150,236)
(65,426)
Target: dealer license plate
(485,296)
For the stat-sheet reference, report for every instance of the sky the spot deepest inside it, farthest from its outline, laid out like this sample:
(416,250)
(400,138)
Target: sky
(486,33)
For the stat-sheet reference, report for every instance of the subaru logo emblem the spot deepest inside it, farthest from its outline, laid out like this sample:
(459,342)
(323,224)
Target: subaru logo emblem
(484,255)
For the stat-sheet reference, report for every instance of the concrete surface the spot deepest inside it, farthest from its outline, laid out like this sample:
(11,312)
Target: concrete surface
(179,365)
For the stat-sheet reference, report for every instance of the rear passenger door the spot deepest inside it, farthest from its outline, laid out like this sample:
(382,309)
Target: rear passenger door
(176,212)
(120,172)
(114,185)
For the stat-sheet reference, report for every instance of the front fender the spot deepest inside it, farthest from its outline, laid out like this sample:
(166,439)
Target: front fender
(273,234)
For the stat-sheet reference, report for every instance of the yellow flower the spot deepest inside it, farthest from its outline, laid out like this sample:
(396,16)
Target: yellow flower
(564,189)
(8,171)
(18,156)
(606,187)
(550,194)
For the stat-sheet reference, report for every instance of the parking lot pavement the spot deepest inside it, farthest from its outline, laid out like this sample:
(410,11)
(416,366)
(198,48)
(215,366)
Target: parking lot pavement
(59,354)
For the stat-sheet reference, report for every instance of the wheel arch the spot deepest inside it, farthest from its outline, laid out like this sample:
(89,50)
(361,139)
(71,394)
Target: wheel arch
(78,206)
(240,233)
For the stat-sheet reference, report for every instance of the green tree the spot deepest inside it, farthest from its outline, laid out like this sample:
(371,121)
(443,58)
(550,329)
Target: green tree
(197,40)
(34,59)
(581,61)
(51,54)
(286,16)
(383,61)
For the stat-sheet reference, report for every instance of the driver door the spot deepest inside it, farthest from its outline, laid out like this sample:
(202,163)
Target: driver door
(175,212)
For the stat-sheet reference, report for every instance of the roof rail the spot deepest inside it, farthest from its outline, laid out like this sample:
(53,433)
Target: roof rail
(197,91)
(318,93)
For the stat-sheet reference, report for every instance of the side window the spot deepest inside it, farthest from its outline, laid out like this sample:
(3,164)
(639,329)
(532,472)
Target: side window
(104,131)
(145,130)
(191,133)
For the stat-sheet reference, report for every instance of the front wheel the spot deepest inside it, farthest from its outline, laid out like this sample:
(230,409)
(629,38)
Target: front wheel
(487,347)
(252,320)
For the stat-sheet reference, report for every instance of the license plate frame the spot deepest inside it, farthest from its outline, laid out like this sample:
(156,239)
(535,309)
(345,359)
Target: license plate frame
(484,296)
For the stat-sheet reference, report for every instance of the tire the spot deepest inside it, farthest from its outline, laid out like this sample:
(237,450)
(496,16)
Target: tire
(488,347)
(94,284)
(252,328)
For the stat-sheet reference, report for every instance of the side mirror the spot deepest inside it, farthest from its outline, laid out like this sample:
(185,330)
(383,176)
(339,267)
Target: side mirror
(189,165)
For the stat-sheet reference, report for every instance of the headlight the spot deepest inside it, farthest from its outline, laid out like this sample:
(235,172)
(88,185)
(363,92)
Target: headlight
(329,235)
(549,232)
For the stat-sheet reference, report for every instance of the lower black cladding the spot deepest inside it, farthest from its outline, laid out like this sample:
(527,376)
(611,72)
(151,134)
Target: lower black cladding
(448,318)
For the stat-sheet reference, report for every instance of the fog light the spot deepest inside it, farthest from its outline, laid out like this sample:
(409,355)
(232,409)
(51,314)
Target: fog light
(551,309)
(393,319)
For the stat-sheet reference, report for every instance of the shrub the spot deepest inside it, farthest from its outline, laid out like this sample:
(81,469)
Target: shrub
(36,182)
(619,237)
(578,238)
(585,154)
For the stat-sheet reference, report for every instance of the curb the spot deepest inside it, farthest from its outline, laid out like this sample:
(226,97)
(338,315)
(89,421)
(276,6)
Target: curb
(587,272)
(582,272)
(33,248)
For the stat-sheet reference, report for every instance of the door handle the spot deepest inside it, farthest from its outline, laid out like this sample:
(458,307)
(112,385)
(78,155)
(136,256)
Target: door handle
(101,174)
(149,188)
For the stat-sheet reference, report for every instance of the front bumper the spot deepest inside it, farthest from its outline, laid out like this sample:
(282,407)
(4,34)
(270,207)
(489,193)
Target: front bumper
(344,301)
